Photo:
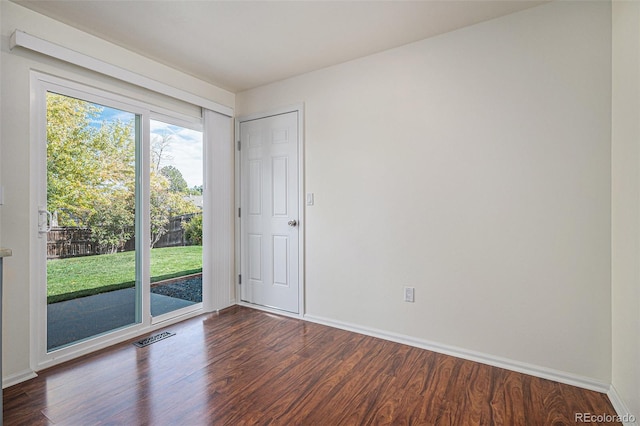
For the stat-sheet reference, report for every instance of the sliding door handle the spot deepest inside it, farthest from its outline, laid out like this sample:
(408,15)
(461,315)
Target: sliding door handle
(44,220)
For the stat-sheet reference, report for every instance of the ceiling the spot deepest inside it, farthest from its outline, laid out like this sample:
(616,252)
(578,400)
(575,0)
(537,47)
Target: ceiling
(239,45)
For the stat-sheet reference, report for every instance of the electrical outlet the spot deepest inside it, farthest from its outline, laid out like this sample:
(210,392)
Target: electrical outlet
(409,294)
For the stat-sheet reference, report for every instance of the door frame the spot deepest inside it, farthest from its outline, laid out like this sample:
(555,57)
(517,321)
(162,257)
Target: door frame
(299,109)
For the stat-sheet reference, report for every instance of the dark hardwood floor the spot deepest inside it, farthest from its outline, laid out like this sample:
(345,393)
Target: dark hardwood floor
(244,366)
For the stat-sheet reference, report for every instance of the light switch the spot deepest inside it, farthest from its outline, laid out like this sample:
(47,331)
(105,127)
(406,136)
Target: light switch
(309,198)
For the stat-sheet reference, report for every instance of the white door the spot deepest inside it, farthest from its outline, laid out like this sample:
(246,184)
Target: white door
(269,211)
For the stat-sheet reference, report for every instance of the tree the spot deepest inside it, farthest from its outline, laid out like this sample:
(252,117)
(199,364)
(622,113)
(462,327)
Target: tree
(72,169)
(164,205)
(159,145)
(90,170)
(196,190)
(112,224)
(168,190)
(176,181)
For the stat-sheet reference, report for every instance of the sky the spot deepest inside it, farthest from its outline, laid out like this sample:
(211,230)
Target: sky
(184,151)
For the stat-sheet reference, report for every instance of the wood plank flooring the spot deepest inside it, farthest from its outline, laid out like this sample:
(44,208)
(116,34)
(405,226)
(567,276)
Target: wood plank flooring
(245,367)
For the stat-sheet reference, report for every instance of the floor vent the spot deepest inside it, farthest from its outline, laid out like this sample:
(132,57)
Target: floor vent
(152,339)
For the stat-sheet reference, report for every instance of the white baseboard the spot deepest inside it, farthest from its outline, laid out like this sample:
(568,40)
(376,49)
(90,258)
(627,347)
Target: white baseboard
(626,417)
(16,378)
(508,364)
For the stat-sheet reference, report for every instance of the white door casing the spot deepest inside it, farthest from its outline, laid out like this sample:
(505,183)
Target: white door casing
(270,211)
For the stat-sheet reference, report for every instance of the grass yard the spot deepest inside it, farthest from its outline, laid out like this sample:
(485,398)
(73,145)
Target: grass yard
(83,276)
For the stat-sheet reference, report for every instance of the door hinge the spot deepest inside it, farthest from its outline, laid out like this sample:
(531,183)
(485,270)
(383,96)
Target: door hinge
(239,145)
(239,213)
(239,278)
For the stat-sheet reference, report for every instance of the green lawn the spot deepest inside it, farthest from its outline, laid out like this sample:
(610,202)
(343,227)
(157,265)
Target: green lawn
(82,276)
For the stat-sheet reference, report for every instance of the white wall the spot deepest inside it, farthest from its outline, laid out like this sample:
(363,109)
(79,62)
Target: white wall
(626,203)
(474,166)
(19,178)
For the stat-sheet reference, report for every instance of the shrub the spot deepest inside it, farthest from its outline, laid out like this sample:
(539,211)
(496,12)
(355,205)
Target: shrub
(193,230)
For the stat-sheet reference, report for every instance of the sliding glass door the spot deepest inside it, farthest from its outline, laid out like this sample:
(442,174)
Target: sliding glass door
(176,209)
(120,216)
(92,192)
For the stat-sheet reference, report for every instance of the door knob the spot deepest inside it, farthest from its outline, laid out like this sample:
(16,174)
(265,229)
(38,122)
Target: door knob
(292,223)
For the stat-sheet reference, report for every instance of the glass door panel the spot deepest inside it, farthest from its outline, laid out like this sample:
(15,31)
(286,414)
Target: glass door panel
(91,203)
(176,205)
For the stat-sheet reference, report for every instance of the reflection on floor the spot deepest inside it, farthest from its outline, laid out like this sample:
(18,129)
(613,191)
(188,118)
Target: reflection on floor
(80,318)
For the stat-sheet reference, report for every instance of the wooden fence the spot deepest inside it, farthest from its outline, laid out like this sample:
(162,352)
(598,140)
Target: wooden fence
(70,242)
(175,232)
(74,241)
